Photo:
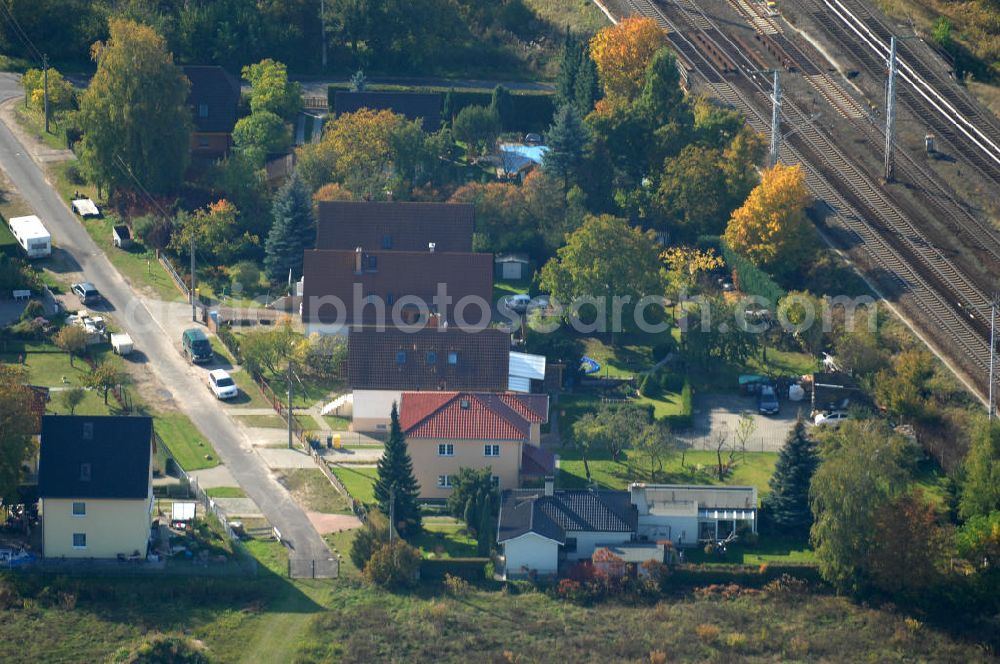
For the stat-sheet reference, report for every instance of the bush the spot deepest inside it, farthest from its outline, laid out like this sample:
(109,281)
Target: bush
(16,273)
(662,349)
(707,633)
(326,355)
(682,420)
(153,231)
(671,381)
(33,310)
(365,543)
(230,341)
(167,650)
(470,569)
(393,565)
(74,174)
(245,277)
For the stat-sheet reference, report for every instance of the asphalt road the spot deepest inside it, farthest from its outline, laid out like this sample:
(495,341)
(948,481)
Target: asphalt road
(184,381)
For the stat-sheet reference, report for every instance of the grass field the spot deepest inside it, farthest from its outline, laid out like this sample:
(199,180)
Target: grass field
(359,482)
(766,550)
(445,540)
(699,468)
(186,443)
(313,490)
(337,423)
(33,120)
(226,492)
(262,421)
(579,15)
(46,365)
(250,394)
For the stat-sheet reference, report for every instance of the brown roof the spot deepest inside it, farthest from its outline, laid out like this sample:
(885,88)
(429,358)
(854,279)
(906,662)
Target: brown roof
(390,276)
(423,106)
(213,88)
(432,359)
(396,226)
(471,415)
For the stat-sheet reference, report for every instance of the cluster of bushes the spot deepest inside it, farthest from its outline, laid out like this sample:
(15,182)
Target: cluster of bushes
(748,278)
(587,583)
(653,385)
(392,565)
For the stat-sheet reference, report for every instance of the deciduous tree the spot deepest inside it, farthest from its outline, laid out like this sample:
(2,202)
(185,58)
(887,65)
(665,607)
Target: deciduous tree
(657,443)
(396,488)
(215,231)
(478,127)
(134,114)
(271,349)
(105,376)
(771,229)
(903,390)
(621,53)
(787,505)
(261,133)
(910,546)
(393,565)
(61,95)
(271,91)
(292,232)
(610,429)
(981,483)
(72,339)
(503,222)
(17,424)
(72,398)
(684,264)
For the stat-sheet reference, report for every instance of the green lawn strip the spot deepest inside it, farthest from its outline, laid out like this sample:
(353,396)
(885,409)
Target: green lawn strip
(668,403)
(631,354)
(503,288)
(359,482)
(93,404)
(699,468)
(724,377)
(6,237)
(445,541)
(308,392)
(33,121)
(46,365)
(767,549)
(337,423)
(250,394)
(185,442)
(226,492)
(261,421)
(575,15)
(220,350)
(935,484)
(340,543)
(313,490)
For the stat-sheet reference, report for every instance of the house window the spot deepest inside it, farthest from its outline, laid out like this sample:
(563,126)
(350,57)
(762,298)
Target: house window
(446,449)
(444,481)
(431,358)
(453,357)
(203,141)
(401,357)
(387,242)
(491,450)
(79,540)
(372,263)
(84,472)
(570,544)
(464,404)
(202,110)
(79,509)
(88,430)
(495,479)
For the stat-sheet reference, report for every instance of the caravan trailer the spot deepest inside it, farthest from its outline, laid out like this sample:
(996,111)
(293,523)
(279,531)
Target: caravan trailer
(32,236)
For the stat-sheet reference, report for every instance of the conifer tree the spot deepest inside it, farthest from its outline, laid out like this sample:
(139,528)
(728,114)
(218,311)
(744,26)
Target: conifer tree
(293,230)
(566,140)
(587,87)
(569,64)
(787,506)
(396,488)
(503,105)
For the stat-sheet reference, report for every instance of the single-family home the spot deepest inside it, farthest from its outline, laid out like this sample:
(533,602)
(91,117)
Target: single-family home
(214,99)
(95,481)
(516,160)
(446,431)
(390,288)
(395,226)
(688,515)
(423,106)
(539,529)
(382,364)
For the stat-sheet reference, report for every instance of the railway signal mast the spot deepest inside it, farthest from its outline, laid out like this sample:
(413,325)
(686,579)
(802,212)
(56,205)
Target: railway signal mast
(775,121)
(890,115)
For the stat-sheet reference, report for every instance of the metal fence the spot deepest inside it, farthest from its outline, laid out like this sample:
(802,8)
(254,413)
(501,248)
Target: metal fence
(177,279)
(302,567)
(755,443)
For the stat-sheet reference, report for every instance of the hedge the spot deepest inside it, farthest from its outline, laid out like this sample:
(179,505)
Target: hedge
(229,340)
(744,575)
(683,420)
(470,569)
(751,279)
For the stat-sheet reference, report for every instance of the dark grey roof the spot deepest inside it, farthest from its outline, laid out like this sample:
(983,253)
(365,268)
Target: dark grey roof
(396,226)
(423,106)
(530,510)
(220,92)
(113,452)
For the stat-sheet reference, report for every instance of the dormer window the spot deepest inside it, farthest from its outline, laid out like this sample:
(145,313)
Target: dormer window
(401,357)
(387,242)
(372,263)
(88,430)
(464,404)
(453,357)
(431,358)
(84,472)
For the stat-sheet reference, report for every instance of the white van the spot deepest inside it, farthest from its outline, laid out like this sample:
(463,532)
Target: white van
(32,236)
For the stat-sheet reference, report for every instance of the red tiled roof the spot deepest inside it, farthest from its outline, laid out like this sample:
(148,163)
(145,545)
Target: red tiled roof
(463,415)
(532,407)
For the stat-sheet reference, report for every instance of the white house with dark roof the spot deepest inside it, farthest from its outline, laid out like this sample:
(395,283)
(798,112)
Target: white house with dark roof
(540,528)
(688,515)
(95,481)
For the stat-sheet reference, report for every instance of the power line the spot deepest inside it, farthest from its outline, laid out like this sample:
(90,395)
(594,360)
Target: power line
(19,31)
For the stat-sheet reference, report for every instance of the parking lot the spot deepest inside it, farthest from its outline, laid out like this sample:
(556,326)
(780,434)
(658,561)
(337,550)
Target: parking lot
(719,414)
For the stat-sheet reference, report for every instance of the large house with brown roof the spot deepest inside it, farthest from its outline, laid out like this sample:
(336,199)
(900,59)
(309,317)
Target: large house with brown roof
(423,106)
(393,288)
(382,364)
(214,99)
(447,431)
(395,226)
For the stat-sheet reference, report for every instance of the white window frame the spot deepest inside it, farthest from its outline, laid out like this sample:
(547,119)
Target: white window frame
(491,450)
(80,546)
(444,481)
(446,449)
(73,508)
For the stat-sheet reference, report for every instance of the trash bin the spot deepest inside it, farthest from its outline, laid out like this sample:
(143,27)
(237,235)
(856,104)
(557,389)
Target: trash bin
(329,442)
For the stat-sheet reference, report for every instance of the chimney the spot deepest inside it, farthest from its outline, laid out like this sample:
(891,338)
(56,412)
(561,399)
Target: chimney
(359,259)
(550,485)
(431,246)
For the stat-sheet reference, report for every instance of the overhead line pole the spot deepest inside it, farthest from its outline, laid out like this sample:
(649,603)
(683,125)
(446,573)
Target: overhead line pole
(775,121)
(45,78)
(194,302)
(290,411)
(890,115)
(991,408)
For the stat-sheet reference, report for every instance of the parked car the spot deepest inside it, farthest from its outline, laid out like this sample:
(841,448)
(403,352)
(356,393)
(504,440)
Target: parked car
(86,291)
(516,303)
(222,385)
(196,346)
(767,400)
(831,419)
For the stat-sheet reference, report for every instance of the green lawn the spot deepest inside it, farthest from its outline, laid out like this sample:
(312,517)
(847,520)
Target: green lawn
(502,288)
(723,377)
(250,394)
(340,544)
(262,421)
(668,403)
(308,392)
(337,423)
(445,540)
(631,354)
(93,404)
(313,490)
(578,15)
(186,443)
(33,120)
(359,482)
(226,492)
(699,468)
(765,550)
(6,237)
(46,365)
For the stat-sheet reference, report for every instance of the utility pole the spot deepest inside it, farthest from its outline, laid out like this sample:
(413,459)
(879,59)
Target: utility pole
(890,115)
(322,27)
(775,120)
(194,303)
(45,94)
(290,412)
(991,408)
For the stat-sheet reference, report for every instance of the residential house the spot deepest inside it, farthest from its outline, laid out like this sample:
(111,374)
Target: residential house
(690,515)
(539,529)
(395,226)
(382,364)
(361,287)
(423,106)
(515,160)
(95,481)
(214,99)
(447,431)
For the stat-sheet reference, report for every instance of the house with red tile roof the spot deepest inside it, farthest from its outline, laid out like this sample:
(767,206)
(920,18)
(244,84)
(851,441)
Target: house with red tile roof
(446,431)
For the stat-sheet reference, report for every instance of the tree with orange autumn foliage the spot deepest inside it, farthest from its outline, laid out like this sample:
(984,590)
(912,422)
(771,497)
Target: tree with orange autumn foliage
(622,52)
(332,191)
(771,229)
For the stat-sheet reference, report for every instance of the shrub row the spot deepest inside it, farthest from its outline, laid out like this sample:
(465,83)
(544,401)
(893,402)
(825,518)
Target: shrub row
(751,279)
(682,420)
(470,569)
(751,577)
(230,341)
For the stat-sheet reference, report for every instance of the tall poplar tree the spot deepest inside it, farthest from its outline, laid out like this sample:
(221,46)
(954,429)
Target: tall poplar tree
(396,488)
(293,230)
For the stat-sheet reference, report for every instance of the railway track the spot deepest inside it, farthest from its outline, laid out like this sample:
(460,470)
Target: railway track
(924,279)
(929,96)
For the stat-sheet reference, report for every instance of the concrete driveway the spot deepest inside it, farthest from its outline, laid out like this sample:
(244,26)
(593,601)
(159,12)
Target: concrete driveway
(150,324)
(718,414)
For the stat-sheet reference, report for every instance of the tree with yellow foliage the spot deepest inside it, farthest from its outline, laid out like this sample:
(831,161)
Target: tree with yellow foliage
(771,229)
(622,52)
(684,264)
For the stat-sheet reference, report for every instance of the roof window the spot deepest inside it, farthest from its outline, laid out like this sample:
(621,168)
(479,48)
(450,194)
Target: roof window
(464,404)
(431,358)
(401,357)
(84,472)
(453,357)
(202,110)
(88,430)
(387,242)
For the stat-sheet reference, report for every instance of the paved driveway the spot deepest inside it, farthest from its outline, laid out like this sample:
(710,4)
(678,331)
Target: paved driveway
(137,316)
(718,414)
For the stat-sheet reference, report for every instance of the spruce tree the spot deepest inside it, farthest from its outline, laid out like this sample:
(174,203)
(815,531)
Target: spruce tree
(587,88)
(448,107)
(503,105)
(569,63)
(787,506)
(395,471)
(292,232)
(566,140)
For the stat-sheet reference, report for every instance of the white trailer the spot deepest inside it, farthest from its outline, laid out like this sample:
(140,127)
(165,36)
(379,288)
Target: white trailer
(32,235)
(121,344)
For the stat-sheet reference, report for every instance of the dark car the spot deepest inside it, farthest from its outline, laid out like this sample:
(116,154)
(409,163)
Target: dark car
(196,346)
(767,400)
(87,292)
